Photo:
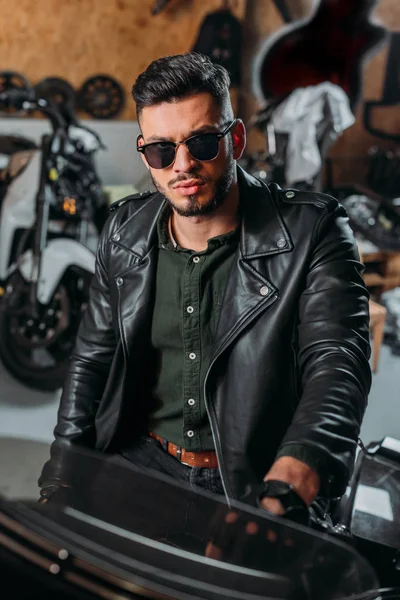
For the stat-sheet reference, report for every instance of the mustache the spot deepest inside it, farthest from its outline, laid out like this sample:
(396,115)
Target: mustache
(187,177)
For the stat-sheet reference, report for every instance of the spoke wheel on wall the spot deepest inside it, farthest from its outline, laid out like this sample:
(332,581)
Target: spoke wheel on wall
(11,80)
(102,97)
(56,90)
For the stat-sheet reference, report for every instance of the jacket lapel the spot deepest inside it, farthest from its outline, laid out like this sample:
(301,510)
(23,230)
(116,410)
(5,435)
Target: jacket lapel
(135,304)
(249,290)
(135,282)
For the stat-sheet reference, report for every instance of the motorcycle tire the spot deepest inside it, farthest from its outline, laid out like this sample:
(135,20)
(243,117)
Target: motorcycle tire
(47,380)
(41,368)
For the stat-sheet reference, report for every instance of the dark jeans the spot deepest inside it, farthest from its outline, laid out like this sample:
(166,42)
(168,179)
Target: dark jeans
(150,454)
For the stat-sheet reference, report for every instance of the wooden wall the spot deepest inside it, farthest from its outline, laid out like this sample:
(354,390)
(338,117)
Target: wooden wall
(75,39)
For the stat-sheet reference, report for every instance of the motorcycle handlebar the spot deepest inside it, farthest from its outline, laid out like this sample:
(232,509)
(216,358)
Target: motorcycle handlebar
(15,98)
(27,100)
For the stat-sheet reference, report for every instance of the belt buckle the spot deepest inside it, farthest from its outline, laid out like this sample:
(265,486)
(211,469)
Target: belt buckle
(179,457)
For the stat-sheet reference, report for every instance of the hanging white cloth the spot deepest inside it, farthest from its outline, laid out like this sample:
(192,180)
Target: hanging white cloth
(300,116)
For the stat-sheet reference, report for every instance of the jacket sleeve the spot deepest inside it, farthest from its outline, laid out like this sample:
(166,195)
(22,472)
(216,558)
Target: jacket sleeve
(87,374)
(333,356)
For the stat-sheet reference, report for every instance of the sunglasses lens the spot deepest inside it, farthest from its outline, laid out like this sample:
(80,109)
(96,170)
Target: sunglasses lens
(160,156)
(203,147)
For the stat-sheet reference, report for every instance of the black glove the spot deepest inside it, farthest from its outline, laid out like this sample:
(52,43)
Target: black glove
(295,508)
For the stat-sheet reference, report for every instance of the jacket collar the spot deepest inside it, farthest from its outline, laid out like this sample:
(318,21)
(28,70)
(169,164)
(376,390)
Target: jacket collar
(263,231)
(138,233)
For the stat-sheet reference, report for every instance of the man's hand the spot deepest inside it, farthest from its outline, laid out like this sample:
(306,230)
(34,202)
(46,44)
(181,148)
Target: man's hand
(304,480)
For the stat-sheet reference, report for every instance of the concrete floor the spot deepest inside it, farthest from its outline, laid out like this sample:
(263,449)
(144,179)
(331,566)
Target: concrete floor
(28,417)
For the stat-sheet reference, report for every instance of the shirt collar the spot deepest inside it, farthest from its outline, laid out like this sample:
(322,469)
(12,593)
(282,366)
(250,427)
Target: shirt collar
(167,242)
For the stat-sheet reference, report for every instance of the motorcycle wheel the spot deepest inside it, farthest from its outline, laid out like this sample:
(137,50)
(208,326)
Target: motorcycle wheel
(36,351)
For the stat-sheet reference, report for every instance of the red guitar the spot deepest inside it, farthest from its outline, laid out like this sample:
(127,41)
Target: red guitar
(330,46)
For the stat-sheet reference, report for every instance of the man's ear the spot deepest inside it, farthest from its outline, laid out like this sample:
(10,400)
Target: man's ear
(140,142)
(238,139)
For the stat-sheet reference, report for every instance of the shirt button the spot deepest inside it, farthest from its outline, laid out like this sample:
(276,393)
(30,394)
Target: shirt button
(289,194)
(190,309)
(281,243)
(190,433)
(196,259)
(120,281)
(191,402)
(116,237)
(192,356)
(264,290)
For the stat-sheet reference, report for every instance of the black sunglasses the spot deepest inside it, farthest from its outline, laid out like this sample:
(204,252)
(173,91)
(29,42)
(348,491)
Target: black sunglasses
(204,146)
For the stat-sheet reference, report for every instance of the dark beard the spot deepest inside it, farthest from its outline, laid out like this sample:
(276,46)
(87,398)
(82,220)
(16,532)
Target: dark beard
(193,208)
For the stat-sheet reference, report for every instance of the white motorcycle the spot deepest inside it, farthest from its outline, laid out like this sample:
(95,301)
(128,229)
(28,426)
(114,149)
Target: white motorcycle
(52,200)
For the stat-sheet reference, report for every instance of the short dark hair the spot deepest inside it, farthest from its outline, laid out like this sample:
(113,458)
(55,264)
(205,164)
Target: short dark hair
(170,78)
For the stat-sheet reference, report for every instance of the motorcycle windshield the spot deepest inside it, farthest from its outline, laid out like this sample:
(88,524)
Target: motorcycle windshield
(124,532)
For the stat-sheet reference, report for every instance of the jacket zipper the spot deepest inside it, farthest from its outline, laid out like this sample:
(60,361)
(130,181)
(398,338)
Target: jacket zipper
(217,443)
(213,424)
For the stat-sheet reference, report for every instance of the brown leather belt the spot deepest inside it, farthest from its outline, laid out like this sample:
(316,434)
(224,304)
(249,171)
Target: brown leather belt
(206,459)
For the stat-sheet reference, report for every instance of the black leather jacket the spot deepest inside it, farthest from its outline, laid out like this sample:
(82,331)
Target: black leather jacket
(290,360)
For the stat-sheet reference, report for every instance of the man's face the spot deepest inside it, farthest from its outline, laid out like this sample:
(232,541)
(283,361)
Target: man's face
(191,186)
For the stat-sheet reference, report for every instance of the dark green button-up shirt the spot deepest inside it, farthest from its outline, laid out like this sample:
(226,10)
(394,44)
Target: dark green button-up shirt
(189,291)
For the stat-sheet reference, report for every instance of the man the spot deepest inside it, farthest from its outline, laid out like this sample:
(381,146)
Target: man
(226,337)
